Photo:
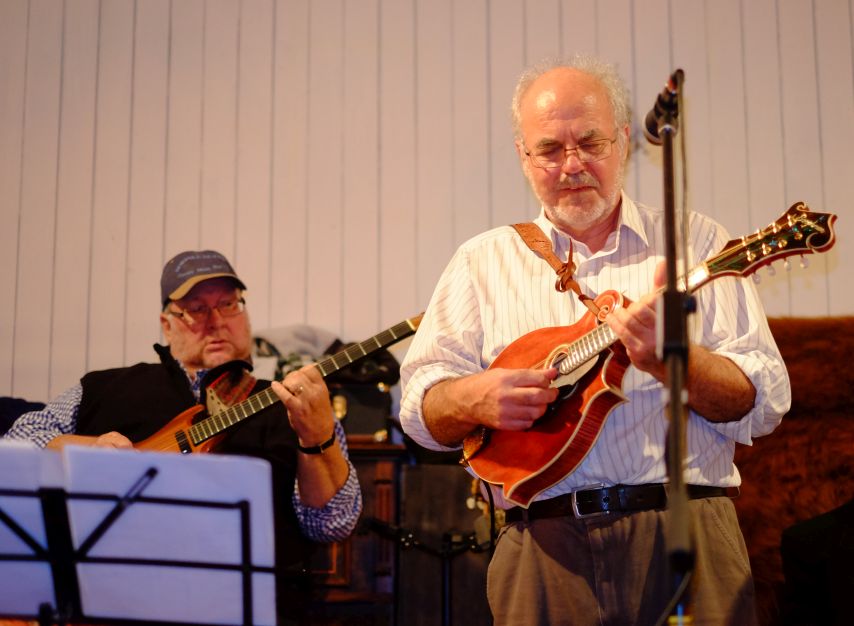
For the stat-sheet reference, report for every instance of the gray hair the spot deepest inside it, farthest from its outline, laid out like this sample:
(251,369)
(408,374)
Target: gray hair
(605,73)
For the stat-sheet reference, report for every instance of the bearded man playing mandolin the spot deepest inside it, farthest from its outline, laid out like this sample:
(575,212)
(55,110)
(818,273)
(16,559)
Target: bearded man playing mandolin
(205,323)
(586,545)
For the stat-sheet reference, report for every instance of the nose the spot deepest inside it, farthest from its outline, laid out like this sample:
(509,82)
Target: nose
(215,318)
(572,163)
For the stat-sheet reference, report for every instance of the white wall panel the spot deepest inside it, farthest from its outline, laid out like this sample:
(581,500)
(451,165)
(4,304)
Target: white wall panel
(182,218)
(339,150)
(13,51)
(219,125)
(652,66)
(290,145)
(763,128)
(834,72)
(436,61)
(509,198)
(70,284)
(147,178)
(360,258)
(578,32)
(801,141)
(542,29)
(38,200)
(727,125)
(254,125)
(107,276)
(397,160)
(690,52)
(470,145)
(325,164)
(615,43)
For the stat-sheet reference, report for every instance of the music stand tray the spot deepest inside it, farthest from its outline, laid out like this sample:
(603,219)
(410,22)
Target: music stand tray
(97,535)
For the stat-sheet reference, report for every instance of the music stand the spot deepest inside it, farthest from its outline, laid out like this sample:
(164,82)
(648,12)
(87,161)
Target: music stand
(124,537)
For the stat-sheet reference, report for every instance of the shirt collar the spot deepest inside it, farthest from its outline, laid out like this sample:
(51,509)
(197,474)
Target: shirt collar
(196,383)
(175,365)
(629,220)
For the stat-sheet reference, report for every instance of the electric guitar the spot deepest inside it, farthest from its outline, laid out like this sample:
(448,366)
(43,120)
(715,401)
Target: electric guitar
(591,363)
(182,435)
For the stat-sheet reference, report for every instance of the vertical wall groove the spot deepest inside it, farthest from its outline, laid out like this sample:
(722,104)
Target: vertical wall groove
(20,243)
(56,198)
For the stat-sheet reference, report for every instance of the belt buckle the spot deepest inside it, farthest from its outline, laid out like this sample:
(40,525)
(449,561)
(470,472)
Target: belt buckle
(578,514)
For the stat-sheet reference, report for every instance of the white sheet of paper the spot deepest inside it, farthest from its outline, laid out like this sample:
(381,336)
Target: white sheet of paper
(173,532)
(24,468)
(178,532)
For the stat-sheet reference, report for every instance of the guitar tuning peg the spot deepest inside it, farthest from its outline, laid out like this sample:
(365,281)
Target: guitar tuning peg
(772,271)
(756,278)
(804,262)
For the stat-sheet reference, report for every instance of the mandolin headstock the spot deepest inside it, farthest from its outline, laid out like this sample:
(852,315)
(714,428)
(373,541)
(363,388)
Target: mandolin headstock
(798,231)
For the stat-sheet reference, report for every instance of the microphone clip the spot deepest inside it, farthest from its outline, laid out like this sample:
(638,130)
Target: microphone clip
(665,112)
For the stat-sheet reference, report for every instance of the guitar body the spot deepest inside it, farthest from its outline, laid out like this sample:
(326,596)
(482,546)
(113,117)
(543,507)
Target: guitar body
(530,461)
(175,436)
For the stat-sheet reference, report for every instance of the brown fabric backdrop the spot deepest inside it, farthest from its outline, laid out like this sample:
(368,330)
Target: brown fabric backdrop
(806,466)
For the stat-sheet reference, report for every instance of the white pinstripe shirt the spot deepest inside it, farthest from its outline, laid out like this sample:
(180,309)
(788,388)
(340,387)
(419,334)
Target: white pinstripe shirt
(495,289)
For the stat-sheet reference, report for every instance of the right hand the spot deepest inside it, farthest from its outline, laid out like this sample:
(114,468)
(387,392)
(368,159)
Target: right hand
(107,440)
(500,399)
(112,440)
(513,399)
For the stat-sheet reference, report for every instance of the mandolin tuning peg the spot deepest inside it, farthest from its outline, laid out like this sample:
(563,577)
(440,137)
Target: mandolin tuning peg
(756,278)
(805,263)
(772,271)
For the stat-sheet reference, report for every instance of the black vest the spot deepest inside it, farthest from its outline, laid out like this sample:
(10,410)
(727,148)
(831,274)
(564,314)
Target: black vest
(139,400)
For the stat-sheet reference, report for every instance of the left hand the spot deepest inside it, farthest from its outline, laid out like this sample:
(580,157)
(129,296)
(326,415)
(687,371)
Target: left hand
(309,409)
(635,325)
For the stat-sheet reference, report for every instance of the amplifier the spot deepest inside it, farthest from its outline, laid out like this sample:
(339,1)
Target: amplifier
(363,408)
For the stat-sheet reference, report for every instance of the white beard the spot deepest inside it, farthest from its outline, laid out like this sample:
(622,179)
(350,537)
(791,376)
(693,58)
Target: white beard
(580,218)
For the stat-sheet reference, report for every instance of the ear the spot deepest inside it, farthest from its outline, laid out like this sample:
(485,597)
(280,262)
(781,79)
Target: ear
(166,326)
(520,149)
(626,143)
(524,162)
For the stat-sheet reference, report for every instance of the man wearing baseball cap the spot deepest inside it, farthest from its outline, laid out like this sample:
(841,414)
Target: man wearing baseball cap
(206,327)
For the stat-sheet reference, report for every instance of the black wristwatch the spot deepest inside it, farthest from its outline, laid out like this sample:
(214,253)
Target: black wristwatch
(318,449)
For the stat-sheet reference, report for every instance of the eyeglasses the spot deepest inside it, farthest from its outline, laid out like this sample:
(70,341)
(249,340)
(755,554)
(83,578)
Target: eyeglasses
(197,314)
(554,156)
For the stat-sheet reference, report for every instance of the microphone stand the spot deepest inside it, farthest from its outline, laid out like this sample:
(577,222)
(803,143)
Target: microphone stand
(676,306)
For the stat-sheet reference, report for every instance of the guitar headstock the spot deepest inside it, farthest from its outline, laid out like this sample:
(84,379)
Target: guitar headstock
(798,231)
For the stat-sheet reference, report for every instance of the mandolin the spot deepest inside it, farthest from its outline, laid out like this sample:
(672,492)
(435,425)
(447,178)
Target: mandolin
(591,364)
(182,435)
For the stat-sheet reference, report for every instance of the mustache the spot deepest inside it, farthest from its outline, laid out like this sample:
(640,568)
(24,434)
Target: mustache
(577,181)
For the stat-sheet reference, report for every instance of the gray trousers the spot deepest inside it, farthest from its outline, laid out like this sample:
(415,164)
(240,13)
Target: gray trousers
(612,570)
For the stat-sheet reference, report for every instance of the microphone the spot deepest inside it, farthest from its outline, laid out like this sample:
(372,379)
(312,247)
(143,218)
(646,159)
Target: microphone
(666,106)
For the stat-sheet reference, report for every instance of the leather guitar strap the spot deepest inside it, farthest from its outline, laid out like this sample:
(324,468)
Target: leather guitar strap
(228,389)
(537,241)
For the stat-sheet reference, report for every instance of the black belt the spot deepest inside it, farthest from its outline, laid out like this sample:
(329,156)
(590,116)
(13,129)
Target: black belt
(616,499)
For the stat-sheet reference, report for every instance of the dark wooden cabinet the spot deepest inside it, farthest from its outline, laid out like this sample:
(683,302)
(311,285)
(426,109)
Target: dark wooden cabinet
(355,579)
(407,563)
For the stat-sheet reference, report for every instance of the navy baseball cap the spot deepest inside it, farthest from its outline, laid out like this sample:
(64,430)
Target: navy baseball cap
(187,269)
